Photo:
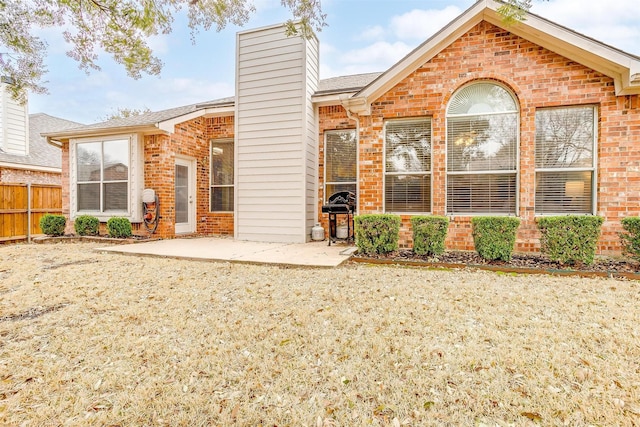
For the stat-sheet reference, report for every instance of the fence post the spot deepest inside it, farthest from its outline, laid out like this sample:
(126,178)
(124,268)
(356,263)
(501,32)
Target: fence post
(28,212)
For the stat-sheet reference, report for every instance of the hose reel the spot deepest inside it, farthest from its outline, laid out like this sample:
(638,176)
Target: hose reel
(150,210)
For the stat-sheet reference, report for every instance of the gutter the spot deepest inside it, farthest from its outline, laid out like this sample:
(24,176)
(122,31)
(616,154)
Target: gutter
(58,138)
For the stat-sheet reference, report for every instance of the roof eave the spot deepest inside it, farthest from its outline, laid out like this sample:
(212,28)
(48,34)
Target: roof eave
(618,65)
(65,136)
(623,68)
(328,99)
(423,53)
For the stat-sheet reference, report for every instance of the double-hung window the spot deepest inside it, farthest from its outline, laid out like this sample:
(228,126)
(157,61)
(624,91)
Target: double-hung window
(222,175)
(565,160)
(407,174)
(482,151)
(340,148)
(102,176)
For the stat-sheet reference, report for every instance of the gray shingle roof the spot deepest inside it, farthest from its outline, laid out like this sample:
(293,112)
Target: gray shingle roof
(332,85)
(153,117)
(350,83)
(40,152)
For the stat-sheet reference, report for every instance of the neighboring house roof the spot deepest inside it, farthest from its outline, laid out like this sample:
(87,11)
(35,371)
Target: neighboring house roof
(41,155)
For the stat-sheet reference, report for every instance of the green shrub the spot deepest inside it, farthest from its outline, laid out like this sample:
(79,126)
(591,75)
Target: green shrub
(631,238)
(377,233)
(429,233)
(494,236)
(119,227)
(570,239)
(86,225)
(53,225)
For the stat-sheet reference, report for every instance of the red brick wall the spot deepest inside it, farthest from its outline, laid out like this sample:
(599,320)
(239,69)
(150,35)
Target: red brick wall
(191,139)
(29,177)
(538,78)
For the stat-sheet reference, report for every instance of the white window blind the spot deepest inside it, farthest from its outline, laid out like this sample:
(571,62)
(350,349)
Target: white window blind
(482,151)
(565,160)
(340,169)
(222,175)
(408,166)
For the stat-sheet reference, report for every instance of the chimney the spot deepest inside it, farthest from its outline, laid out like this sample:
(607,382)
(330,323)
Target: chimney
(14,121)
(276,136)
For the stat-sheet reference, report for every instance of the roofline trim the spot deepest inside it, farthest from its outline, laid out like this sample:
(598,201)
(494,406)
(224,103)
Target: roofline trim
(624,68)
(53,137)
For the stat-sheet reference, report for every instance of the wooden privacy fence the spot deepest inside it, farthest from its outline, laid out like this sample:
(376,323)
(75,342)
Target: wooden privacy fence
(22,206)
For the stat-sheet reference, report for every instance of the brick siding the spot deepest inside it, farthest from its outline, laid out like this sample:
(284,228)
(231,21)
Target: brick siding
(191,139)
(29,177)
(538,78)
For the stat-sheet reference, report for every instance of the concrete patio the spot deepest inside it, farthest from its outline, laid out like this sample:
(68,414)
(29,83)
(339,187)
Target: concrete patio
(312,254)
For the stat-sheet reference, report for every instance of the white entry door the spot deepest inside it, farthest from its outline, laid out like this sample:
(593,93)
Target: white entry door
(185,204)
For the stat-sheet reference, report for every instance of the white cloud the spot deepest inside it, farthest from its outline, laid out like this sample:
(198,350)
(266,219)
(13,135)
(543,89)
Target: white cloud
(376,32)
(616,23)
(422,24)
(375,57)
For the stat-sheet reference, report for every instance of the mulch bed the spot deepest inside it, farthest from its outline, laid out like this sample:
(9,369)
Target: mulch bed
(519,263)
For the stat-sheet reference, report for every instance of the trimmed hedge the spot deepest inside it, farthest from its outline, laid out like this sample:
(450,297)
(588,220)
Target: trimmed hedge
(119,227)
(53,225)
(429,233)
(86,225)
(494,236)
(570,239)
(377,233)
(630,239)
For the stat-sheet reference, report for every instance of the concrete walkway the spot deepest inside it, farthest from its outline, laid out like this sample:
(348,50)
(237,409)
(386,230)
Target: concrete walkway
(315,254)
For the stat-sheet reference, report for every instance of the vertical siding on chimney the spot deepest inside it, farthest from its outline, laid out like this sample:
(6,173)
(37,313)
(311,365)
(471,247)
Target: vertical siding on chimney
(14,124)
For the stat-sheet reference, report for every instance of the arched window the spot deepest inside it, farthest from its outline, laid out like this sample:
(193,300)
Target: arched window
(482,151)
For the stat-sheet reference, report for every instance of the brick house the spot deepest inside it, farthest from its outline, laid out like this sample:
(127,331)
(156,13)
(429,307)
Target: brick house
(25,156)
(525,120)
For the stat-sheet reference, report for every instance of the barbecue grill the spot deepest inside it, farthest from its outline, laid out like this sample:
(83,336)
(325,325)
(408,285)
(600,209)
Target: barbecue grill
(340,203)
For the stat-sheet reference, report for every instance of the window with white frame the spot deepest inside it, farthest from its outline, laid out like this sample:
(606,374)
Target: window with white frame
(340,167)
(565,160)
(407,173)
(482,151)
(102,176)
(222,185)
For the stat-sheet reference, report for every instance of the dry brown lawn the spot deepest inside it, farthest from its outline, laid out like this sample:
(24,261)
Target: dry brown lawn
(89,338)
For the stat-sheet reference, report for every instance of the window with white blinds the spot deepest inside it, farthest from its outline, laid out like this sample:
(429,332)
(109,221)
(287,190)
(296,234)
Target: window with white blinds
(565,160)
(482,151)
(221,175)
(407,186)
(340,148)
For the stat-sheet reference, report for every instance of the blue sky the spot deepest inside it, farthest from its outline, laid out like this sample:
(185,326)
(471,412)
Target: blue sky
(362,36)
